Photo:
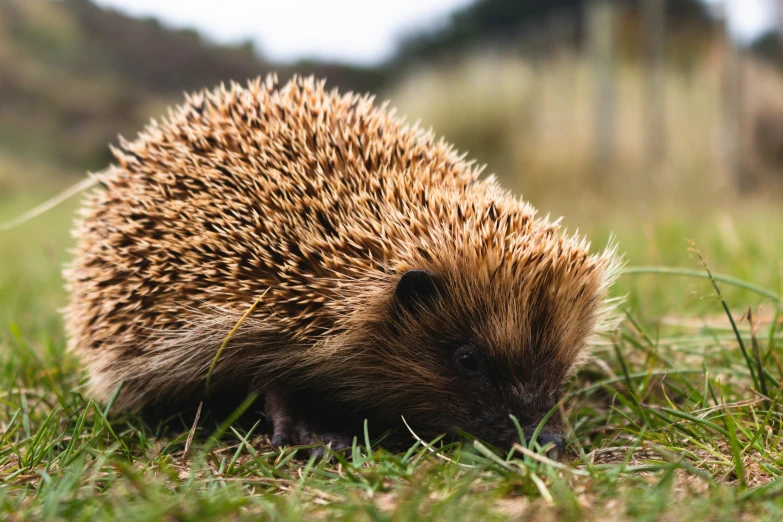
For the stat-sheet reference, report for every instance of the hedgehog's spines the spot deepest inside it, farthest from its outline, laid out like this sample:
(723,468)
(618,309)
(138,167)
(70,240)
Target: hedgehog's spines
(325,200)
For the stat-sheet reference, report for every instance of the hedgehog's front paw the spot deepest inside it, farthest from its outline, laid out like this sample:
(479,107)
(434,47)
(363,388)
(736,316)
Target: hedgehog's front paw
(289,430)
(302,434)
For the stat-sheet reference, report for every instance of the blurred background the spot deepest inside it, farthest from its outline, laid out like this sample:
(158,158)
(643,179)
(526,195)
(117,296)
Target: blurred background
(654,119)
(576,99)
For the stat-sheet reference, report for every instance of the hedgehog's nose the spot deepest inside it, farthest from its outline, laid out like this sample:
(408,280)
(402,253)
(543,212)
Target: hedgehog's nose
(555,443)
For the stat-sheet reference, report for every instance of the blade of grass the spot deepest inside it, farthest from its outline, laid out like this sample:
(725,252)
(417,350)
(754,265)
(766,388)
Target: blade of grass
(628,384)
(685,416)
(113,398)
(748,359)
(770,410)
(739,467)
(739,283)
(106,424)
(228,338)
(754,345)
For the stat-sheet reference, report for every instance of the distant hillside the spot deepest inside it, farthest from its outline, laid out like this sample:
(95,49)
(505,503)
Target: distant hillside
(74,75)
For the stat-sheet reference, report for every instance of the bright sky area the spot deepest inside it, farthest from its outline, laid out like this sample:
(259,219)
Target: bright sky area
(357,31)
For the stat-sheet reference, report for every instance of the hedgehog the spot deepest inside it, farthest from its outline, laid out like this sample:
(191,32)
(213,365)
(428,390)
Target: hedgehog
(367,269)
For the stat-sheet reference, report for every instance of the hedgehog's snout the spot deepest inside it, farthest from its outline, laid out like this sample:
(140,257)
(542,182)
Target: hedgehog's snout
(502,432)
(550,439)
(555,442)
(506,437)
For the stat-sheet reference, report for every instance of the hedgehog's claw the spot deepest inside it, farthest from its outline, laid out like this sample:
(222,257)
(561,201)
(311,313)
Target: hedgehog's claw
(301,434)
(319,441)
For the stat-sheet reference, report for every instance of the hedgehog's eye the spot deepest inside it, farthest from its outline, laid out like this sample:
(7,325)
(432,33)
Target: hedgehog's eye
(467,361)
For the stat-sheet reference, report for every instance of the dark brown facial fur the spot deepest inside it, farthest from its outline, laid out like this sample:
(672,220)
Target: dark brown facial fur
(447,369)
(484,391)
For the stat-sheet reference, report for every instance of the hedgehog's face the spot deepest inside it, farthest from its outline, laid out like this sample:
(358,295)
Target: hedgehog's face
(485,396)
(496,353)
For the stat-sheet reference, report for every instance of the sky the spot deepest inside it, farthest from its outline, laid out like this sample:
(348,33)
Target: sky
(356,31)
(749,18)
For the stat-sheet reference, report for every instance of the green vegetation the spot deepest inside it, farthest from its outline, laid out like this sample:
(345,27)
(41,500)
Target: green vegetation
(670,420)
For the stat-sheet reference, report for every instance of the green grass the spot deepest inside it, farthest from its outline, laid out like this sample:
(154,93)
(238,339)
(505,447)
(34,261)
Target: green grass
(669,421)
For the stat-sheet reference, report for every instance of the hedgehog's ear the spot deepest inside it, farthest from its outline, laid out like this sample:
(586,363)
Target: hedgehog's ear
(415,286)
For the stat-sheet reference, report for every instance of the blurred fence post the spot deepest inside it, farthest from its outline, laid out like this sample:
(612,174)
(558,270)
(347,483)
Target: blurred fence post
(654,52)
(600,33)
(733,71)
(779,5)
